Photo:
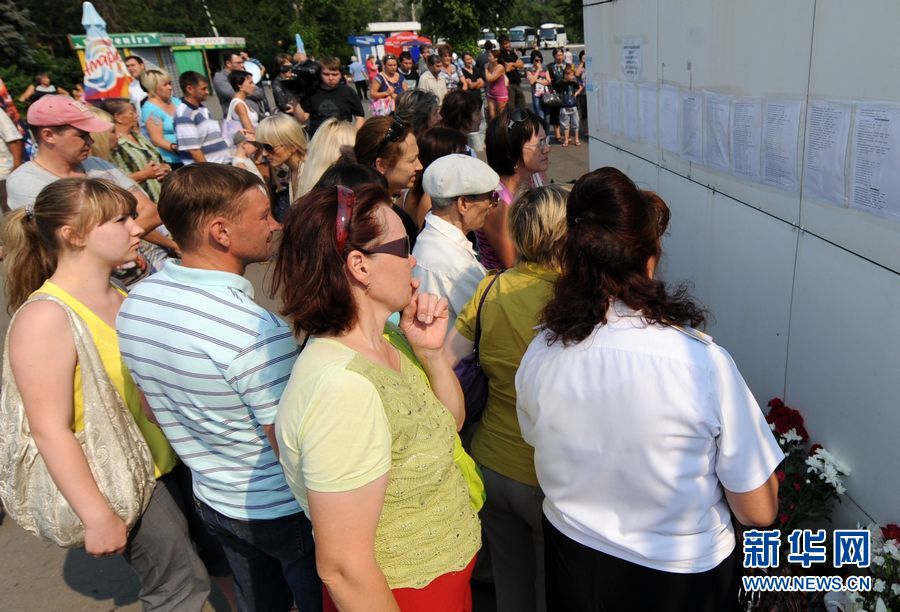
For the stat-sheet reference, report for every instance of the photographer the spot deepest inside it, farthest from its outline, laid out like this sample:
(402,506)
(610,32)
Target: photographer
(283,99)
(330,97)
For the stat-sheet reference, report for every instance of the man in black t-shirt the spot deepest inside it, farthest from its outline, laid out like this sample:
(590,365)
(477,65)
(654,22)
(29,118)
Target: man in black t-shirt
(513,63)
(333,98)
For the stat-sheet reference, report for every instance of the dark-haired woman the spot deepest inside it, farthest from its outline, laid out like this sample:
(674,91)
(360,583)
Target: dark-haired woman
(238,109)
(366,440)
(385,87)
(646,436)
(518,151)
(389,145)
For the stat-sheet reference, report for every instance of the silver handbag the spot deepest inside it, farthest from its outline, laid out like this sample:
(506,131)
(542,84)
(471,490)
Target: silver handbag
(116,451)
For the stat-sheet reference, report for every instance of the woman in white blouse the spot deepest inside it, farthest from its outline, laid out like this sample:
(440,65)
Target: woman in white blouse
(646,436)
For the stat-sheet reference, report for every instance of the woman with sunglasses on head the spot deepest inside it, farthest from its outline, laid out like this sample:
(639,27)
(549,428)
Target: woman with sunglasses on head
(389,145)
(517,150)
(646,438)
(284,146)
(366,439)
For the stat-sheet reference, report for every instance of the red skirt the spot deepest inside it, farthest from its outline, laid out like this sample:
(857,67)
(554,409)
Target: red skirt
(449,592)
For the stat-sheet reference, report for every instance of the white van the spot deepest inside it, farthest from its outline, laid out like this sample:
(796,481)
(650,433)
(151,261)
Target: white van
(523,38)
(553,35)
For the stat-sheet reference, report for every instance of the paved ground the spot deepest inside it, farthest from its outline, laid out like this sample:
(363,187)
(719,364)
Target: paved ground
(39,576)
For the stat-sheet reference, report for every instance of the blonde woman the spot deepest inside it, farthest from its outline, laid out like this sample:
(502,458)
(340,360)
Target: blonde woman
(64,246)
(284,144)
(512,511)
(158,114)
(324,150)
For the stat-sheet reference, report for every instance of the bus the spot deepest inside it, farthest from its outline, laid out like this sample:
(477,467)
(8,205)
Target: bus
(553,35)
(522,38)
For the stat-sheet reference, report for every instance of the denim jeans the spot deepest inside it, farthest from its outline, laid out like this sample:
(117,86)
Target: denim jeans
(273,560)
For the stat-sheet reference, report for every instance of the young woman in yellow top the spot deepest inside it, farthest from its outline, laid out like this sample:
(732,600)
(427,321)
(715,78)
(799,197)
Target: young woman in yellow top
(66,246)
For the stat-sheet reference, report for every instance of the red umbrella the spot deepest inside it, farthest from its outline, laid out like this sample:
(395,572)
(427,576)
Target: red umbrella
(403,40)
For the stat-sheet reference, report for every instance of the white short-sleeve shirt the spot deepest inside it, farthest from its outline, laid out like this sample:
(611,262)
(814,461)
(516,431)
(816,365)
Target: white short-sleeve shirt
(446,264)
(636,431)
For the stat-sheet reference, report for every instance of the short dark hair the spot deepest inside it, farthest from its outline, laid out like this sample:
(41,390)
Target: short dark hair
(236,78)
(504,139)
(536,54)
(458,107)
(194,192)
(310,273)
(488,45)
(229,53)
(282,58)
(503,39)
(136,58)
(330,63)
(404,55)
(190,78)
(431,60)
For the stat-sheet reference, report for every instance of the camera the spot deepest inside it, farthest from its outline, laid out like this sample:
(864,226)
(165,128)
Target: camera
(304,80)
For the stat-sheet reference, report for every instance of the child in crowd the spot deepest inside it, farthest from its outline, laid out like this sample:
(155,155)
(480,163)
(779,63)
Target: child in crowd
(569,90)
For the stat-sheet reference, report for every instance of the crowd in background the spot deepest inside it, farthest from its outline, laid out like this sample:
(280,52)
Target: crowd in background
(332,459)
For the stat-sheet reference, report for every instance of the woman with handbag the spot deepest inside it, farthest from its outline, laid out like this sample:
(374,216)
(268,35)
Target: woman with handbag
(366,439)
(385,88)
(501,318)
(100,472)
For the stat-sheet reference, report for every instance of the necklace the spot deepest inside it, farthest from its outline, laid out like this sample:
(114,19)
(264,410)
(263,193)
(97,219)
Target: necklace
(41,165)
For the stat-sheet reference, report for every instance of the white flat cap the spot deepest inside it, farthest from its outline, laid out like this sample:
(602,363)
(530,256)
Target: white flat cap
(457,175)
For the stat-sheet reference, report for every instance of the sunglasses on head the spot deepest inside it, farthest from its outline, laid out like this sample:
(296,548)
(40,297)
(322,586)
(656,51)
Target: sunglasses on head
(346,203)
(395,133)
(518,116)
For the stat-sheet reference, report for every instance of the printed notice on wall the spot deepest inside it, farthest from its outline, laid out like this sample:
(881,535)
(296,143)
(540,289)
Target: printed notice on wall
(647,99)
(827,131)
(632,112)
(669,115)
(780,149)
(746,134)
(715,133)
(692,126)
(875,159)
(632,57)
(614,107)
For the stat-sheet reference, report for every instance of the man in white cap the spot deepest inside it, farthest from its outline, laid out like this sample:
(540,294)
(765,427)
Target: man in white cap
(462,190)
(62,129)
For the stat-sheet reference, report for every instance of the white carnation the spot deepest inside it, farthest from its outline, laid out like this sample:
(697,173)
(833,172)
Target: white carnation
(895,589)
(880,586)
(878,560)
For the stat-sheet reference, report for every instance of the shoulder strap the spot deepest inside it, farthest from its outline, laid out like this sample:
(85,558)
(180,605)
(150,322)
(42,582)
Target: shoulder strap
(478,312)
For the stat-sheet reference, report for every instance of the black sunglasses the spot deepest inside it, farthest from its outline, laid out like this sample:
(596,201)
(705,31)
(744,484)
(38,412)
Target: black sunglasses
(395,133)
(397,248)
(518,116)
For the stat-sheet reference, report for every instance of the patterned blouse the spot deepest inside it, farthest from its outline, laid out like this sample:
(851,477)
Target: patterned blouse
(132,157)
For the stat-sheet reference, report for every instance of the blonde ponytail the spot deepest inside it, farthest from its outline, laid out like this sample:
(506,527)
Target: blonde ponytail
(27,261)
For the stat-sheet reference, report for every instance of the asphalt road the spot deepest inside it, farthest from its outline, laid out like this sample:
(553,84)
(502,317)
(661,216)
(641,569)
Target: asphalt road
(38,576)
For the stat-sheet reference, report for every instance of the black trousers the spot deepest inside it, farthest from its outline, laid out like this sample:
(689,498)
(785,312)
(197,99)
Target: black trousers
(362,89)
(581,579)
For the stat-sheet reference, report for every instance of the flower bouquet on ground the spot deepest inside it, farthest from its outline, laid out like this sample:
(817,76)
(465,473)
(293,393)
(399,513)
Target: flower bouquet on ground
(885,572)
(809,480)
(809,484)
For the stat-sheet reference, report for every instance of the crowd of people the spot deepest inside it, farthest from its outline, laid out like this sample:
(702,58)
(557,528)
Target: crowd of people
(328,456)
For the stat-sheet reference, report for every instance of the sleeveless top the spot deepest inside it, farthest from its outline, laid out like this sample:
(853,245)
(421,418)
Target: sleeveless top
(385,84)
(107,343)
(233,116)
(499,89)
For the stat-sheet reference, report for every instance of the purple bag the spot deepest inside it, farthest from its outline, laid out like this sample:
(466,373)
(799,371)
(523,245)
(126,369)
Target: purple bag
(471,377)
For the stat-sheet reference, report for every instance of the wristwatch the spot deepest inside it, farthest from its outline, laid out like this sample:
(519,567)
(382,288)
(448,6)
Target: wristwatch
(173,147)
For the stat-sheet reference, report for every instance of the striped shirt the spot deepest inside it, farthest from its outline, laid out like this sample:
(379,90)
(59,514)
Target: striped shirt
(196,129)
(213,365)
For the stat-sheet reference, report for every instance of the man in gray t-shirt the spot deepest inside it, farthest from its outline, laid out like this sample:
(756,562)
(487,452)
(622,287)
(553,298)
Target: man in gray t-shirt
(62,128)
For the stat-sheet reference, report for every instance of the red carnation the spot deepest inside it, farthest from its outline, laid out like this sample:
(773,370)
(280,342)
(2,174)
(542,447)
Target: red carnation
(891,532)
(783,518)
(797,485)
(776,402)
(780,474)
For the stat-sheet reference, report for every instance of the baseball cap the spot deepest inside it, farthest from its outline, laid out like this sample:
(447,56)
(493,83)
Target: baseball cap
(63,110)
(457,175)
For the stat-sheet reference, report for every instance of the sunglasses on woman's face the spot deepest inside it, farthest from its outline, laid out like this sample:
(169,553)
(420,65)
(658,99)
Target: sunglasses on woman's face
(397,248)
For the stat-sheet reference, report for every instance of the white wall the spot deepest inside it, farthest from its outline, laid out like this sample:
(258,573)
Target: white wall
(805,294)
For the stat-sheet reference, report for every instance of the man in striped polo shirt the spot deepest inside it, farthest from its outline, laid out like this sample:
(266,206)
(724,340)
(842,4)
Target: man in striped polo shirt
(212,365)
(199,135)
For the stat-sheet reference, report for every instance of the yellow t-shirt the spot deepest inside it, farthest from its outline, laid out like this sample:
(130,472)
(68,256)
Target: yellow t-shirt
(107,343)
(344,421)
(508,318)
